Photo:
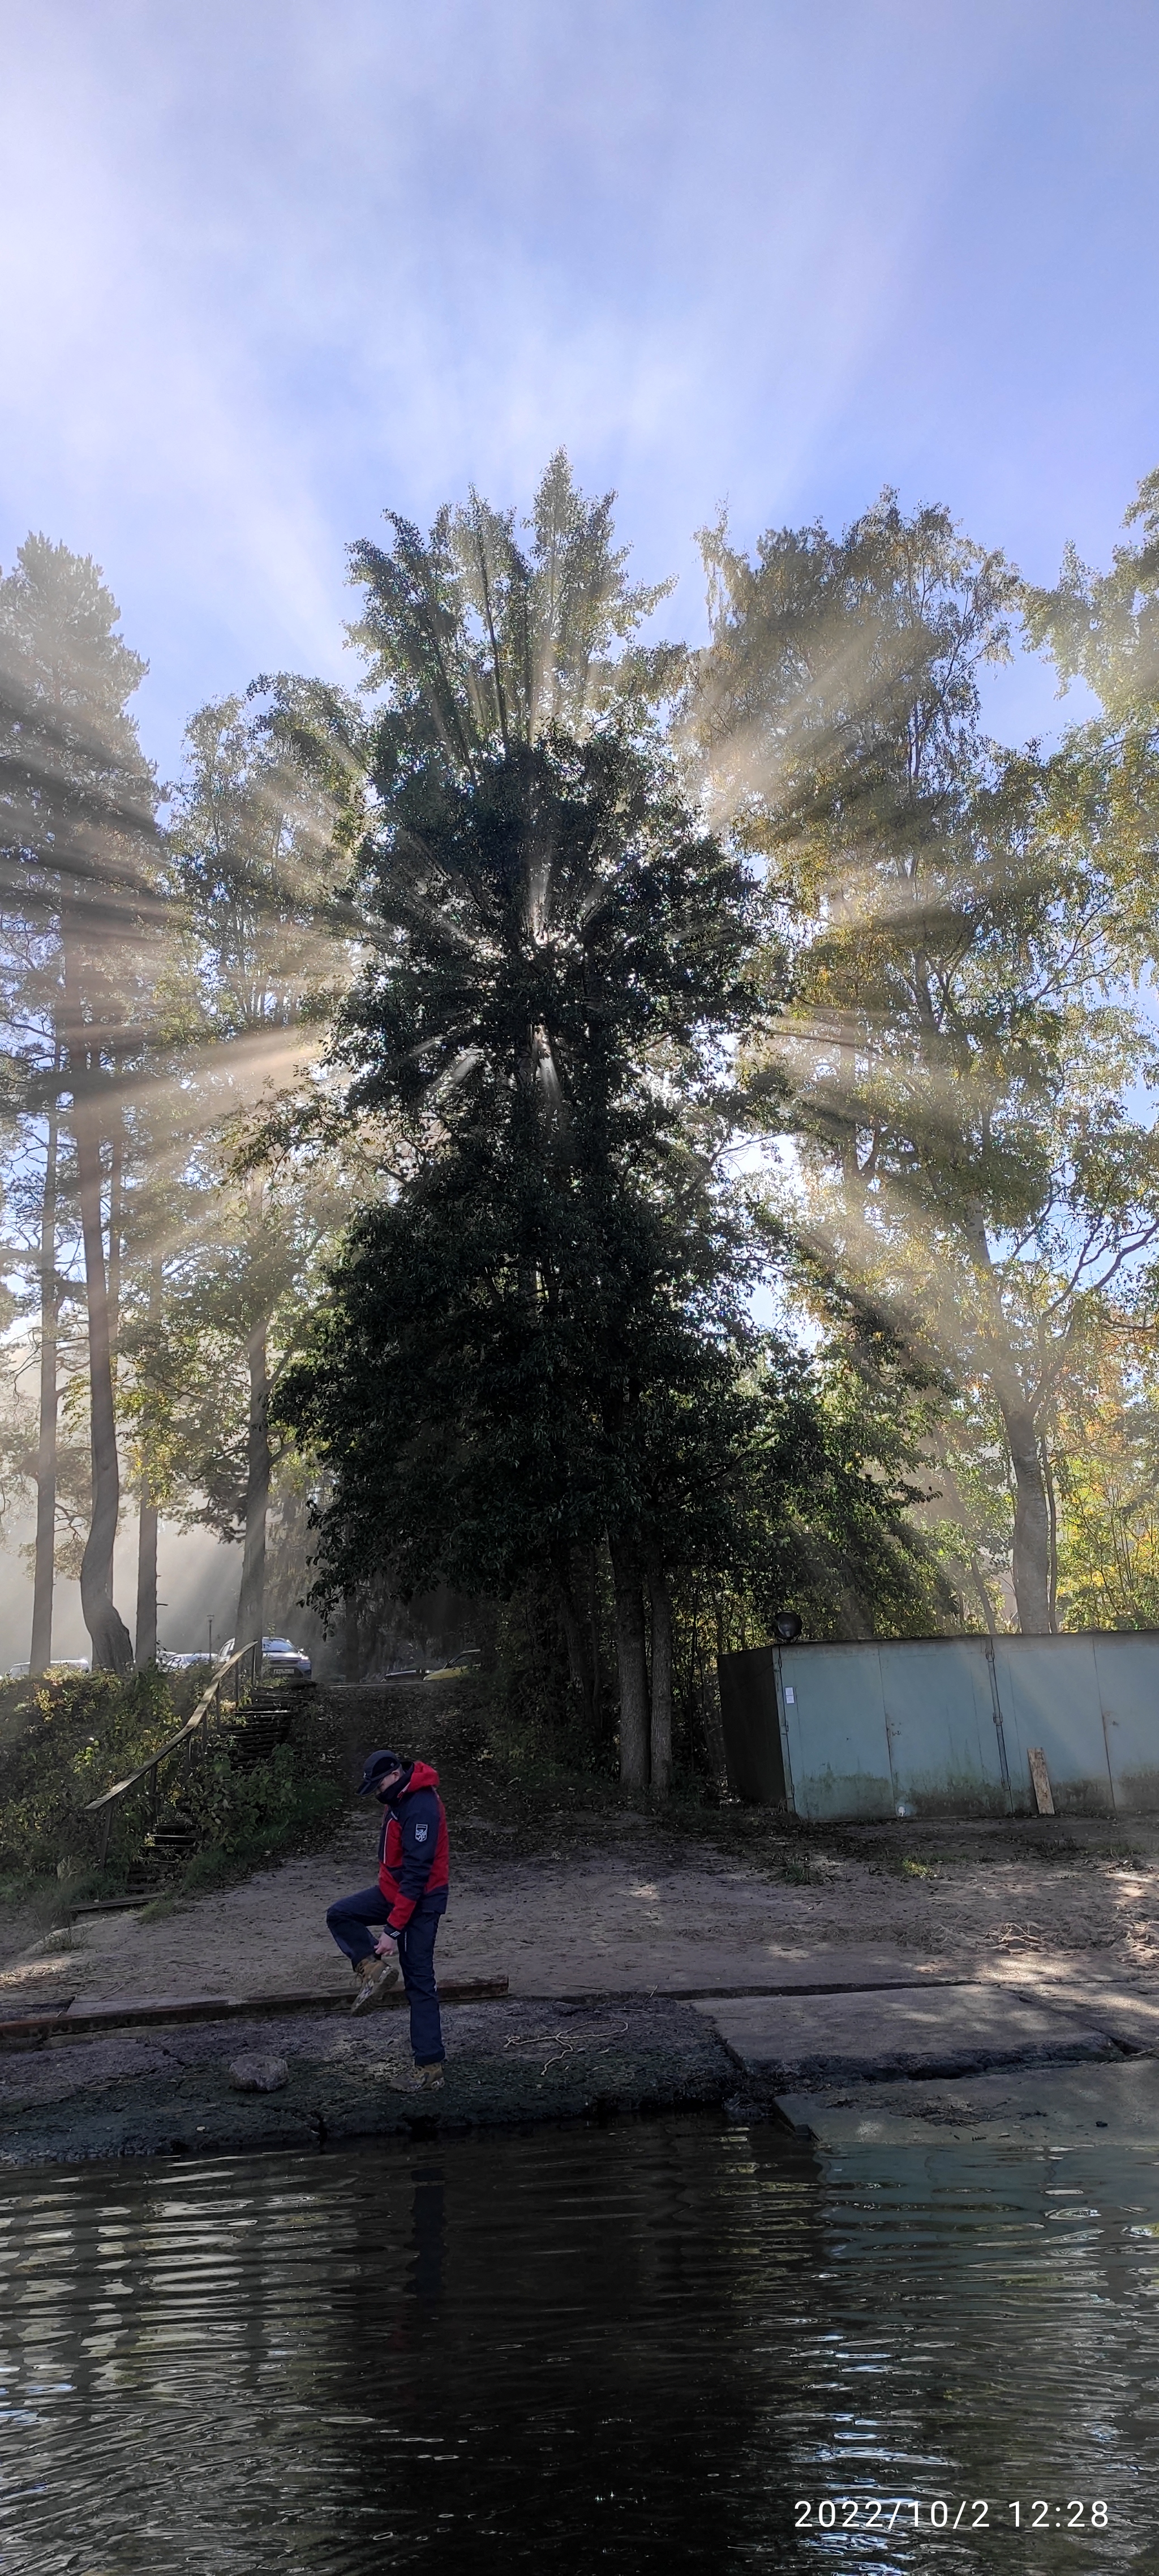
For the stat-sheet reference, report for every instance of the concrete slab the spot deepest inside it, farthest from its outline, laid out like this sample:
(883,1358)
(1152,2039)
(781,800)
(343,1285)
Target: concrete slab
(1114,2103)
(788,2040)
(1125,2006)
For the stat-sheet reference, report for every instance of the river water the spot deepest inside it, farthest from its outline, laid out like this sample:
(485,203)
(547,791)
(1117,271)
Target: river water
(650,2347)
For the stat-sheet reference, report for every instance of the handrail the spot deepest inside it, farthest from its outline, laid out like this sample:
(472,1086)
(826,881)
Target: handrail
(195,1727)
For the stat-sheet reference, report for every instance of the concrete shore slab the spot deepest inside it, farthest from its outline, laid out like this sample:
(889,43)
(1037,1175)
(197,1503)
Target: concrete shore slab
(169,2091)
(1114,2103)
(790,2040)
(1127,2011)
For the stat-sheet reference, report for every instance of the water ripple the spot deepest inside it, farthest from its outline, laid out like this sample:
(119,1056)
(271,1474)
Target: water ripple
(625,2351)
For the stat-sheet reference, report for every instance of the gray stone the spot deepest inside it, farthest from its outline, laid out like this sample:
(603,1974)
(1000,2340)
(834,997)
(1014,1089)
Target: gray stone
(258,2073)
(941,2030)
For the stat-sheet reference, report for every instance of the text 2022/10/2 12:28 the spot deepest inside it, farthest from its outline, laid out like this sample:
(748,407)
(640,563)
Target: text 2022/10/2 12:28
(944,2513)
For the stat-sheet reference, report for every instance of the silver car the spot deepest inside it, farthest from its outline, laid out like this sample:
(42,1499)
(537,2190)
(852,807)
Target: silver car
(285,1661)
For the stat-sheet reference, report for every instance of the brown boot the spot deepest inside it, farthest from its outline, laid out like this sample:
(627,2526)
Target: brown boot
(417,2079)
(375,1979)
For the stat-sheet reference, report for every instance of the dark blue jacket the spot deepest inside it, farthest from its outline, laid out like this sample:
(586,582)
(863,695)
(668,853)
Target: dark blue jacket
(412,1848)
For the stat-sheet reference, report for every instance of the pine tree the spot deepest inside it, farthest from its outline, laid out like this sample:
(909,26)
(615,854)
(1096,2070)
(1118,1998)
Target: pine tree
(557,962)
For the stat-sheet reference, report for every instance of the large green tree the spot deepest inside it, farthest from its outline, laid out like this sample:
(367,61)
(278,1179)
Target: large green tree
(523,1331)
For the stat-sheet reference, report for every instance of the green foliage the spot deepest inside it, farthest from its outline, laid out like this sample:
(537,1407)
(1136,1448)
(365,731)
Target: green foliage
(958,1058)
(835,1476)
(76,1738)
(73,1739)
(247,1815)
(255,866)
(536,1729)
(533,1337)
(1104,627)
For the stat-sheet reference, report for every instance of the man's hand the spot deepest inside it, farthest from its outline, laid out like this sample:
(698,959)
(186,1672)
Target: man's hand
(384,1945)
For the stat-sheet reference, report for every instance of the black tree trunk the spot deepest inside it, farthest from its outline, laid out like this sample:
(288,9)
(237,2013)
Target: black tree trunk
(632,1664)
(252,1597)
(146,1580)
(579,1663)
(40,1655)
(147,1518)
(660,1598)
(111,1643)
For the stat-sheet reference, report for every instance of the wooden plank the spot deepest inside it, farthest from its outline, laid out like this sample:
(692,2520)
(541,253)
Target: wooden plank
(120,1904)
(87,2020)
(1040,1781)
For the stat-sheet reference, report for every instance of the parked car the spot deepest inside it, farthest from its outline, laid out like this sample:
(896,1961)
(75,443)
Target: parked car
(279,1655)
(286,1661)
(174,1663)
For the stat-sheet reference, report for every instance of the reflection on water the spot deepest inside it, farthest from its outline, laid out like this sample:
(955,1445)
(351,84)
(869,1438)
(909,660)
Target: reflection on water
(616,2350)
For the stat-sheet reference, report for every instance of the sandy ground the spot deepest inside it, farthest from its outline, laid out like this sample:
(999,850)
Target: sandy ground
(638,1910)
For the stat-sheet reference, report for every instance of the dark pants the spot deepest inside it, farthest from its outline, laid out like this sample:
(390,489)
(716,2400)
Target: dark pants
(353,1919)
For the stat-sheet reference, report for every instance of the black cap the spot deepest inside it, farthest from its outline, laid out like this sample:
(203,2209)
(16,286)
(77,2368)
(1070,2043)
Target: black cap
(377,1767)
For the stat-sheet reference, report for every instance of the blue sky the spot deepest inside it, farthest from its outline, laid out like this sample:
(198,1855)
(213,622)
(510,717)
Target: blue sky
(270,266)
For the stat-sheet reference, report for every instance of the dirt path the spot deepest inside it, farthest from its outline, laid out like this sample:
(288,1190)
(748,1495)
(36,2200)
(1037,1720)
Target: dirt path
(636,1909)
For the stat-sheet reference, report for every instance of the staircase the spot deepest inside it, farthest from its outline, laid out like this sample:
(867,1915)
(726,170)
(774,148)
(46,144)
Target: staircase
(164,1856)
(249,1731)
(261,1725)
(265,1722)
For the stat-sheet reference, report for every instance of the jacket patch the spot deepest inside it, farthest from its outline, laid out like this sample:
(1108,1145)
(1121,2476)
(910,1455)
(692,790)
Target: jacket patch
(421,1832)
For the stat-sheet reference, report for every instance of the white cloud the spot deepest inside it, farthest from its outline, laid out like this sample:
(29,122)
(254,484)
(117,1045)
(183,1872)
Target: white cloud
(270,266)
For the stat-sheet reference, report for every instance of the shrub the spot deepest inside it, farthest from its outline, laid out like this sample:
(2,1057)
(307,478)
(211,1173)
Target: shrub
(78,1736)
(248,1815)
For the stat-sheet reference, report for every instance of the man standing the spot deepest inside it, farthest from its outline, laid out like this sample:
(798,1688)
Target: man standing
(408,1900)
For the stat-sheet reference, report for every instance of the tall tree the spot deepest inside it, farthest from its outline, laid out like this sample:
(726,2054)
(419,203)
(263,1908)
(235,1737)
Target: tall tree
(252,844)
(556,961)
(79,857)
(953,1059)
(213,1322)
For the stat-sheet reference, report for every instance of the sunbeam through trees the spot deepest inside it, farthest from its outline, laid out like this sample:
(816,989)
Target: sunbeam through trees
(409,1112)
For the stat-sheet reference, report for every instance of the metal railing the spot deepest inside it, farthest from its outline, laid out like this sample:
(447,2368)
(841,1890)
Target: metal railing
(229,1690)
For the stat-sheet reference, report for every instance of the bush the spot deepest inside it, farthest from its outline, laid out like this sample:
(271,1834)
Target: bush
(76,1737)
(246,1816)
(69,1741)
